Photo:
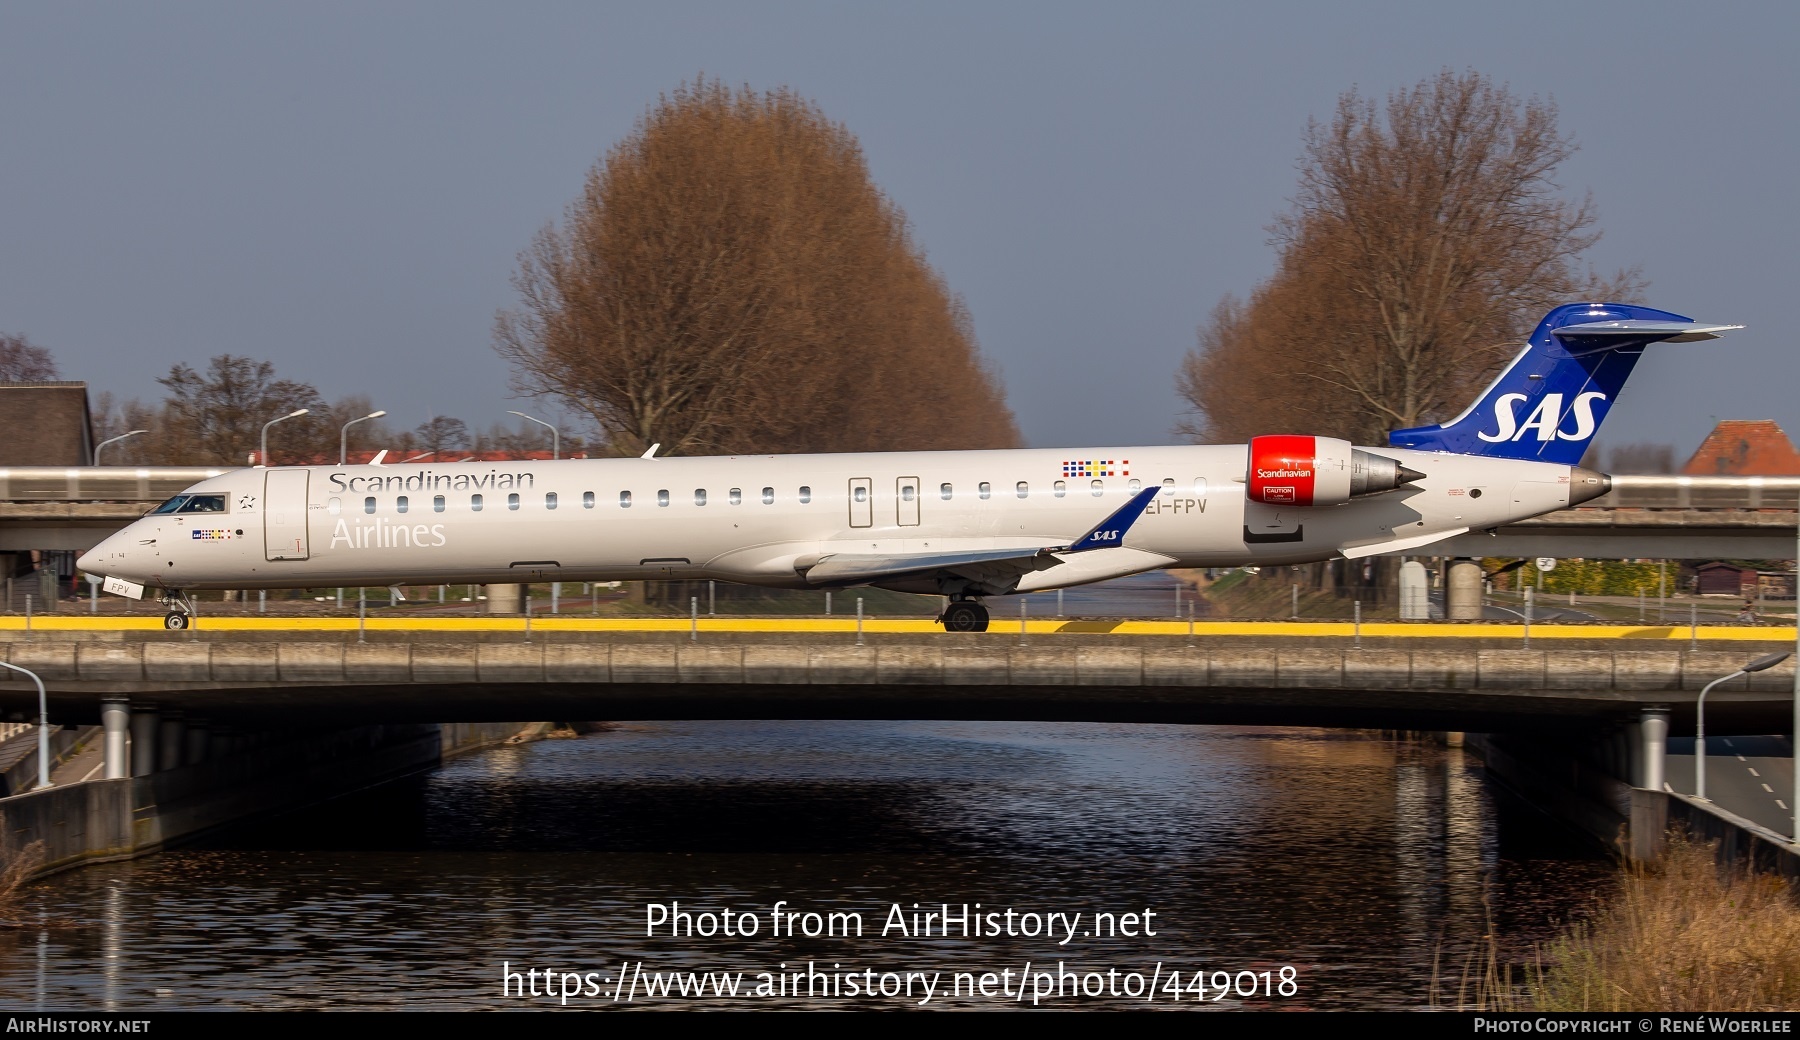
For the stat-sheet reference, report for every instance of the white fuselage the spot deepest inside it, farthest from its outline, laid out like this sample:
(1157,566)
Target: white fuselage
(763,520)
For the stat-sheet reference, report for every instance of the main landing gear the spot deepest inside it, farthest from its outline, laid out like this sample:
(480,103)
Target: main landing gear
(180,610)
(965,615)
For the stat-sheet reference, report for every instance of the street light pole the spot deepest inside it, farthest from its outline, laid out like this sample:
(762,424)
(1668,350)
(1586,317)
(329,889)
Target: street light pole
(555,438)
(1767,661)
(262,452)
(43,725)
(113,440)
(344,434)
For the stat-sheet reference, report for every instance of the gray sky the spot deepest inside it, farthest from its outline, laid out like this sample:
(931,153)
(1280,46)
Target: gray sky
(344,188)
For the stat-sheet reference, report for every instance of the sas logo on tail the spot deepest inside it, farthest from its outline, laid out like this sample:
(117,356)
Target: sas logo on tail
(1544,419)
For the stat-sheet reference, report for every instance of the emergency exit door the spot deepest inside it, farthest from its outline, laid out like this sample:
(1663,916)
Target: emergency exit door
(862,502)
(906,494)
(284,514)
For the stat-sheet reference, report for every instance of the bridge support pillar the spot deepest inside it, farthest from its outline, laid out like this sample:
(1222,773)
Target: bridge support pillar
(143,739)
(1653,748)
(505,599)
(198,743)
(1462,597)
(171,740)
(115,720)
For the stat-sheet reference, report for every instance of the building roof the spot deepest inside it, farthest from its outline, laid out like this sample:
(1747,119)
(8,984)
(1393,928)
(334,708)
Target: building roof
(1745,447)
(45,424)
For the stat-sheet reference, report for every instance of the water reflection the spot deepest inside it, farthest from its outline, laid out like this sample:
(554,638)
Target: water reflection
(1356,860)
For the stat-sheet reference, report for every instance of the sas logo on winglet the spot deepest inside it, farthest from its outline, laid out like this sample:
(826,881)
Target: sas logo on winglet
(1543,419)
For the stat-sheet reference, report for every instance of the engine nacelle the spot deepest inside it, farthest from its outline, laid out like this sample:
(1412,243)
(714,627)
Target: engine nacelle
(1288,470)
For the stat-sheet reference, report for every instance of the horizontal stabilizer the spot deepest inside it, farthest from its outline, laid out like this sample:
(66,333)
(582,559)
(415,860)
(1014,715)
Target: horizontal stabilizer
(1663,331)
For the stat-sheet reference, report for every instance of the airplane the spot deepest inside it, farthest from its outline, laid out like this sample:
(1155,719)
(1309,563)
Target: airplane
(965,525)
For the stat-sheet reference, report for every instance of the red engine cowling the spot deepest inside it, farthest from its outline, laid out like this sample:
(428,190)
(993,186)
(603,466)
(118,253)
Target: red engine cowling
(1286,470)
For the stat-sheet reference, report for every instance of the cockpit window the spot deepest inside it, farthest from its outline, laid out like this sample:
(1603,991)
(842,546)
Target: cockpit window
(192,504)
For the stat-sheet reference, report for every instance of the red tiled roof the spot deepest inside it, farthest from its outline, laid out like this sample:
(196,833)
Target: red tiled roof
(1745,447)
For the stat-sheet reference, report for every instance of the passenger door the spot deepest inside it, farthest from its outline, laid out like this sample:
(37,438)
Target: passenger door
(284,514)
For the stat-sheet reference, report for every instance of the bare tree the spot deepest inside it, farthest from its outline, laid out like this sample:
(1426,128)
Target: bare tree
(1426,237)
(217,417)
(23,362)
(441,433)
(731,280)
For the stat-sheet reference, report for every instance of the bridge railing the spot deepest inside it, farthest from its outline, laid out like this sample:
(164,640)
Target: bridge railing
(1632,491)
(99,483)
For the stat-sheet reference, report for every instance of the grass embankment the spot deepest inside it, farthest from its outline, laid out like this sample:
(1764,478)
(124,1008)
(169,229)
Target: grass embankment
(1685,936)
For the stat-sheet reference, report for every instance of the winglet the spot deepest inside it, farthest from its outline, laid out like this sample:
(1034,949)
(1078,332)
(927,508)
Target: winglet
(1110,532)
(650,452)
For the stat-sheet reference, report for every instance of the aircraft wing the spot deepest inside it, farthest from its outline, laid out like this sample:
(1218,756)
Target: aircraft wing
(848,569)
(991,566)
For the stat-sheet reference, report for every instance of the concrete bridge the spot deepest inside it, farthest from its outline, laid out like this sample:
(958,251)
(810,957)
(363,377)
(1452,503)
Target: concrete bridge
(258,683)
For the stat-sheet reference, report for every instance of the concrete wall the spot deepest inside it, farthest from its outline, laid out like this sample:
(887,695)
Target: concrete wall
(114,819)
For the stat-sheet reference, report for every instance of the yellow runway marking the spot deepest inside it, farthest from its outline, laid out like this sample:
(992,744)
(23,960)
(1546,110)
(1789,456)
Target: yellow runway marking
(873,626)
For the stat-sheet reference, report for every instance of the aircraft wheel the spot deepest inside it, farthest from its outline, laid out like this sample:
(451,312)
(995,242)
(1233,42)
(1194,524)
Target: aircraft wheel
(175,621)
(966,616)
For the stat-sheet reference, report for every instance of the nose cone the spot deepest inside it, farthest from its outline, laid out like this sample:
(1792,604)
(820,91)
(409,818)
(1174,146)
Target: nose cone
(90,561)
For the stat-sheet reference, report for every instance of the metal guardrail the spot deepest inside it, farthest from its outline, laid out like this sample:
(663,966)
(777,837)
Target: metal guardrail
(1634,491)
(99,483)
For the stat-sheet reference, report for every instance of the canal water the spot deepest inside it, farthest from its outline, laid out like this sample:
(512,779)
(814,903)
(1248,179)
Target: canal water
(1241,867)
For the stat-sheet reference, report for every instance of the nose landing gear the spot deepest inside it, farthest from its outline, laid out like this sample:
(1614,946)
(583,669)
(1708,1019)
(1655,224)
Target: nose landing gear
(965,615)
(180,610)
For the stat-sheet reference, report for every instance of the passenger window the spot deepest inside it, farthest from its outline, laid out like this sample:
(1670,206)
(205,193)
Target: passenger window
(474,503)
(624,500)
(400,504)
(1200,486)
(737,496)
(369,504)
(699,496)
(1024,489)
(984,489)
(908,493)
(1062,488)
(861,494)
(437,504)
(805,494)
(334,506)
(1099,487)
(662,497)
(587,500)
(1135,485)
(549,500)
(512,501)
(768,496)
(1168,485)
(945,491)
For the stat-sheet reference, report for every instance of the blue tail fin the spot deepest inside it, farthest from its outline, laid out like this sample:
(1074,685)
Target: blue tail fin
(1550,401)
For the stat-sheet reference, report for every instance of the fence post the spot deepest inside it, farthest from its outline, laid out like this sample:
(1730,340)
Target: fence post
(1358,645)
(1022,602)
(1693,625)
(694,619)
(1528,616)
(362,612)
(859,616)
(712,597)
(827,603)
(1294,608)
(1059,609)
